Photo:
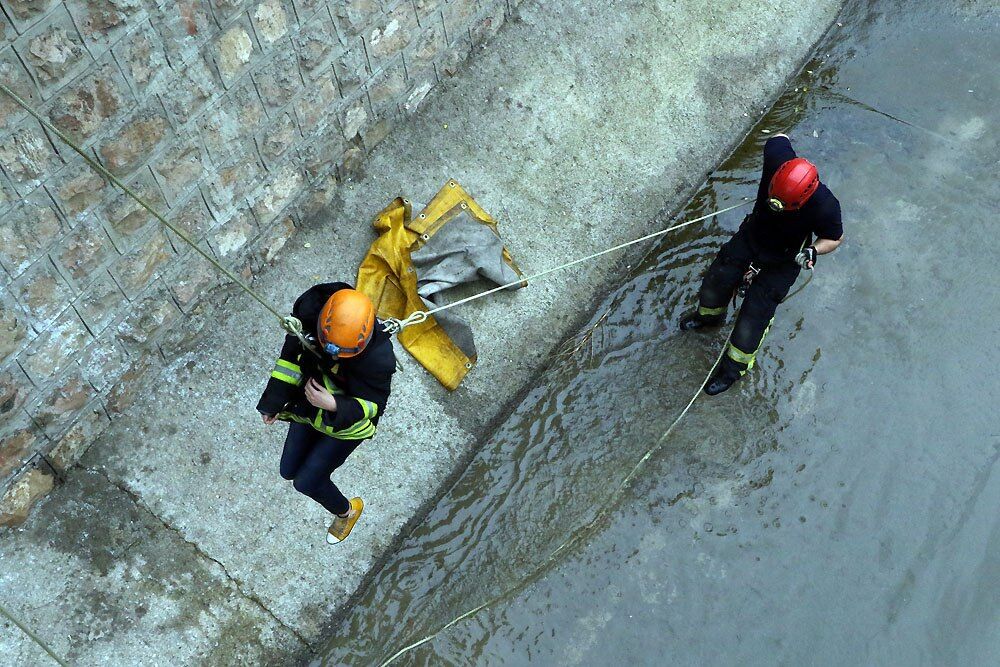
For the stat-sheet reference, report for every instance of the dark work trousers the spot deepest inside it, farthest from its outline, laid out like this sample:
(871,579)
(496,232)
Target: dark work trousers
(766,291)
(308,460)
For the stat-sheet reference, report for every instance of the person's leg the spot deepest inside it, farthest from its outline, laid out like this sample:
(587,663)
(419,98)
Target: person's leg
(298,443)
(313,476)
(721,279)
(756,314)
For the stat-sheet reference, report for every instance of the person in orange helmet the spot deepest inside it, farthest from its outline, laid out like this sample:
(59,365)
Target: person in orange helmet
(763,259)
(332,400)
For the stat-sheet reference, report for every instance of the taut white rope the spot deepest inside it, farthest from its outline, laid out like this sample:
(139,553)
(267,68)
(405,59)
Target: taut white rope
(394,326)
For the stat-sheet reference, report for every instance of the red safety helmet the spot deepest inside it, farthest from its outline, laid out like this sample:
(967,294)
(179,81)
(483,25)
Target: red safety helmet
(792,185)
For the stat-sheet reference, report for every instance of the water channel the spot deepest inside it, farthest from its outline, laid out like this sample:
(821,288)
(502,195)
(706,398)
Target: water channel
(839,505)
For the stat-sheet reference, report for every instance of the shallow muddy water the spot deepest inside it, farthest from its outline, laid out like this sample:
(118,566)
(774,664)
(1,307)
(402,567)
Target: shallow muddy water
(838,505)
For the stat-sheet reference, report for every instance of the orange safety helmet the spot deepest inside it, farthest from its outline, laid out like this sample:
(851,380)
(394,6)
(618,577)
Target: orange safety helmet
(792,185)
(346,323)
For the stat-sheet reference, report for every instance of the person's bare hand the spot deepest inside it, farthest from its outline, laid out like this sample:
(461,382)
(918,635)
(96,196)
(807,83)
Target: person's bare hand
(318,396)
(269,419)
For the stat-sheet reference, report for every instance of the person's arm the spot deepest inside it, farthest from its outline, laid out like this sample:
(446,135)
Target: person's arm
(826,246)
(285,382)
(777,151)
(807,258)
(829,232)
(364,398)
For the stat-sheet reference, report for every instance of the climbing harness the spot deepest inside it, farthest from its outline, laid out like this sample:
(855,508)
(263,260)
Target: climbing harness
(748,277)
(579,534)
(752,272)
(35,638)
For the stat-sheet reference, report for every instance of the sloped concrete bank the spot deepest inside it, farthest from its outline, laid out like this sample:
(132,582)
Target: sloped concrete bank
(178,542)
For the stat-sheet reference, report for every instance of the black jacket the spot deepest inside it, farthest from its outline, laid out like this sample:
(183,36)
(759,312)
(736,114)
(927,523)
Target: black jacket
(366,376)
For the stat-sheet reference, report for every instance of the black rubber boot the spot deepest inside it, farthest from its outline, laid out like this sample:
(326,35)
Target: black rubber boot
(725,375)
(694,321)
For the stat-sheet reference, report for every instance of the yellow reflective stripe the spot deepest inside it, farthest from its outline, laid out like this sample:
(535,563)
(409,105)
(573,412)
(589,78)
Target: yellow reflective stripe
(739,356)
(748,358)
(355,428)
(284,363)
(288,372)
(369,408)
(278,375)
(360,431)
(288,416)
(356,431)
(702,310)
(366,432)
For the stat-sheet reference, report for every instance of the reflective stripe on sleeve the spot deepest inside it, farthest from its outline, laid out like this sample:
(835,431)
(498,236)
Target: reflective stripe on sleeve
(286,371)
(369,408)
(357,431)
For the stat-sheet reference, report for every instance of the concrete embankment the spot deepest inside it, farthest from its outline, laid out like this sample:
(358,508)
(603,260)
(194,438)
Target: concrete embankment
(178,542)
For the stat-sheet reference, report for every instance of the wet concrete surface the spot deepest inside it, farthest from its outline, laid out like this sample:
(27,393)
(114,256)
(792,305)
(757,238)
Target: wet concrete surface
(838,506)
(574,128)
(123,588)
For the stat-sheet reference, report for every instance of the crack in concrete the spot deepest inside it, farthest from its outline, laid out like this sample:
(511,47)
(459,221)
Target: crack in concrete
(138,502)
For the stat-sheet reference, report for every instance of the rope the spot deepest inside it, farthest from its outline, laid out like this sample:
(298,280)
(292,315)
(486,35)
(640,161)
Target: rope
(290,324)
(578,535)
(800,287)
(393,325)
(33,636)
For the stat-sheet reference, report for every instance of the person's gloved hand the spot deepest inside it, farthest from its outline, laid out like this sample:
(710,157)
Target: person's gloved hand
(807,258)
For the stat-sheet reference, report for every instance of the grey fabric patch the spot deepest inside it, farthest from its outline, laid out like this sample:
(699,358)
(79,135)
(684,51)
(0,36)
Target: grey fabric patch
(461,252)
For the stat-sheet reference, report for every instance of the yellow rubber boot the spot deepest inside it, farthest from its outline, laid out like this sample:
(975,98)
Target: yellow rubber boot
(341,526)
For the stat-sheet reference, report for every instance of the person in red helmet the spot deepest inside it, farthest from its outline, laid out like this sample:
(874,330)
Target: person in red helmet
(764,257)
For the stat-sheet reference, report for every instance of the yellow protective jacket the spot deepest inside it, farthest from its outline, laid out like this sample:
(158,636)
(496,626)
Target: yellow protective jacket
(389,277)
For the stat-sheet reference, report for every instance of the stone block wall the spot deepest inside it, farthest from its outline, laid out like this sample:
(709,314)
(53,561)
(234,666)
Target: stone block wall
(236,119)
